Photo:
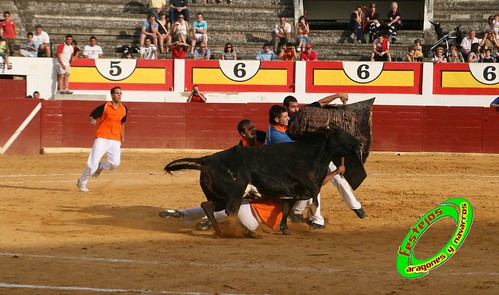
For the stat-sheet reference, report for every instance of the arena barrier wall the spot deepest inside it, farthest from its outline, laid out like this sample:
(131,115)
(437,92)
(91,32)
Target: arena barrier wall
(29,125)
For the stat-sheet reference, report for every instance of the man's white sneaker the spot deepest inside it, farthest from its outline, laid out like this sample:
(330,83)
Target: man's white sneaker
(82,187)
(98,171)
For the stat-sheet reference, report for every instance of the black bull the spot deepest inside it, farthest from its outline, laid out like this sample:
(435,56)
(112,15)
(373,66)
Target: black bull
(290,171)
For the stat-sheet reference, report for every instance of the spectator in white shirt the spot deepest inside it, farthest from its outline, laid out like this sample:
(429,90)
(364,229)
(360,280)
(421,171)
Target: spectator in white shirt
(281,33)
(43,40)
(466,43)
(148,51)
(92,50)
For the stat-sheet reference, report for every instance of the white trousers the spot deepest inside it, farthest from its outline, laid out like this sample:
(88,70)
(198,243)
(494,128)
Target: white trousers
(245,215)
(343,188)
(102,146)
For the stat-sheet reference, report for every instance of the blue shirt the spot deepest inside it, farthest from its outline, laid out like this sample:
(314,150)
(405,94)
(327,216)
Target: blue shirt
(496,101)
(148,26)
(200,25)
(262,55)
(276,136)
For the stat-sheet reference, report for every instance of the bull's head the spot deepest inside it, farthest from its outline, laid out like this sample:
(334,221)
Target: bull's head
(342,144)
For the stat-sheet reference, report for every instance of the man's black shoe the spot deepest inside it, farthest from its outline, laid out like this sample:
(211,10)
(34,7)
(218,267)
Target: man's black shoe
(360,213)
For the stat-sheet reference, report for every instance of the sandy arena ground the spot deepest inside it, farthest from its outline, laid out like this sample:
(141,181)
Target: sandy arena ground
(57,240)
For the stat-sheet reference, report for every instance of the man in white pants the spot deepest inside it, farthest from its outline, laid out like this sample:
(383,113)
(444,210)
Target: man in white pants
(291,104)
(109,136)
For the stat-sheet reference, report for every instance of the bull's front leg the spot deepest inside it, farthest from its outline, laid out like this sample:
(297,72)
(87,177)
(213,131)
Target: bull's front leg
(209,210)
(287,206)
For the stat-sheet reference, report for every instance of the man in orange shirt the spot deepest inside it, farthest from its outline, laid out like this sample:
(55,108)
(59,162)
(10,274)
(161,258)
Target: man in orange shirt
(109,136)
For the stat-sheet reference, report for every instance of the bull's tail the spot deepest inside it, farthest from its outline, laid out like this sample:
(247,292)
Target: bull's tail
(185,163)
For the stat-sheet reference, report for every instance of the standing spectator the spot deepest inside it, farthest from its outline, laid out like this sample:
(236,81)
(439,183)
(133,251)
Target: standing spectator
(229,53)
(64,53)
(381,49)
(4,54)
(36,95)
(265,53)
(418,54)
(92,51)
(180,29)
(149,30)
(195,95)
(308,53)
(454,55)
(281,33)
(440,56)
(410,56)
(302,29)
(202,52)
(148,51)
(43,40)
(164,32)
(355,25)
(155,7)
(474,54)
(177,8)
(372,20)
(394,21)
(29,47)
(467,42)
(288,52)
(76,50)
(109,136)
(8,31)
(179,50)
(199,31)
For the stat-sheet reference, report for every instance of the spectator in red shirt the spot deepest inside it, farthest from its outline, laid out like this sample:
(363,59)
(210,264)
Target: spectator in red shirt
(195,95)
(179,49)
(308,53)
(8,31)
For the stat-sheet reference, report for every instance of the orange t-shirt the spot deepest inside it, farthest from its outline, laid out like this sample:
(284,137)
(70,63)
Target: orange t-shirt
(270,212)
(111,122)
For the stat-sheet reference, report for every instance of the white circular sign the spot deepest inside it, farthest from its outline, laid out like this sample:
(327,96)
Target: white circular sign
(485,73)
(239,71)
(363,72)
(116,69)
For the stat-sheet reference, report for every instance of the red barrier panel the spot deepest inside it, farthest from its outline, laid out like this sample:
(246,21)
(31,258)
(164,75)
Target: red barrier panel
(10,88)
(213,126)
(20,131)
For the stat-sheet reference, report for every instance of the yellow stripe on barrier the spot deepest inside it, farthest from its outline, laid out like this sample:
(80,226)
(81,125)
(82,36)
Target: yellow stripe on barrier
(139,76)
(386,78)
(462,80)
(263,77)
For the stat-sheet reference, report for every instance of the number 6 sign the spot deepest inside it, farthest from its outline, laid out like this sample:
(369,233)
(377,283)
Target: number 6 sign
(239,71)
(486,73)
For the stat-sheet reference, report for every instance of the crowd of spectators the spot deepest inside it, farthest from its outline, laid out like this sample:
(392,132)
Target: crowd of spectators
(167,30)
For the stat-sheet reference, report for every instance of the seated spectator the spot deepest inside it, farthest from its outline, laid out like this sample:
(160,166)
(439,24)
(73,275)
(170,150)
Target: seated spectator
(302,29)
(495,103)
(202,52)
(281,33)
(155,7)
(4,54)
(76,50)
(454,55)
(149,30)
(180,29)
(229,53)
(411,51)
(148,51)
(43,40)
(164,32)
(490,42)
(467,42)
(92,51)
(199,31)
(495,25)
(308,53)
(179,49)
(355,25)
(177,8)
(418,54)
(439,56)
(288,52)
(490,24)
(266,53)
(474,54)
(394,21)
(29,47)
(195,95)
(372,20)
(381,49)
(487,56)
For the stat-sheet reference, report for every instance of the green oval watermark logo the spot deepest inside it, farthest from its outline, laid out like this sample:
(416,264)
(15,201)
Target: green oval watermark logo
(457,208)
